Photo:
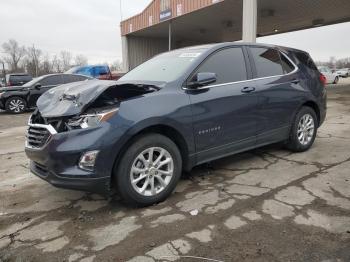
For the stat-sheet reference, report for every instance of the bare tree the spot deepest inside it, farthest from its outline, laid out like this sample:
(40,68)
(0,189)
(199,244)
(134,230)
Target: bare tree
(33,60)
(56,64)
(46,66)
(80,60)
(66,59)
(116,66)
(14,54)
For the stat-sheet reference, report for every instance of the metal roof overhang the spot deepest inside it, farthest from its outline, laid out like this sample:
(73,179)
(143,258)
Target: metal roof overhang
(223,21)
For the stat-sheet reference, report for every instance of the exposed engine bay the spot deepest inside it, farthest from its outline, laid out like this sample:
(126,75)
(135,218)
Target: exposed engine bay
(95,109)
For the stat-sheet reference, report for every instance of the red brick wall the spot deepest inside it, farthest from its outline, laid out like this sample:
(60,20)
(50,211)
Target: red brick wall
(141,21)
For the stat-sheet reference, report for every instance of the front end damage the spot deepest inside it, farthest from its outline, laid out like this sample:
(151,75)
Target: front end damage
(69,135)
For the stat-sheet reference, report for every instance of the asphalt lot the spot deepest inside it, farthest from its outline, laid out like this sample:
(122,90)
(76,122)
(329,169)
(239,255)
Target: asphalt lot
(263,205)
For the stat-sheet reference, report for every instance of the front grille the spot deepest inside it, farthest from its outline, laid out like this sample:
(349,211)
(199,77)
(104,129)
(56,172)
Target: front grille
(37,137)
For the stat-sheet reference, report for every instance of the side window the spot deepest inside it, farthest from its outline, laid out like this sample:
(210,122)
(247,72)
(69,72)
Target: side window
(73,78)
(267,61)
(52,80)
(228,64)
(286,64)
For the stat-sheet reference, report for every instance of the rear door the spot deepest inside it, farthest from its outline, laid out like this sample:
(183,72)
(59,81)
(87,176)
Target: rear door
(278,88)
(224,116)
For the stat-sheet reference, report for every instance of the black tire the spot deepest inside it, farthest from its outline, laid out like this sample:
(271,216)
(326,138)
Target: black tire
(122,173)
(15,105)
(294,144)
(336,80)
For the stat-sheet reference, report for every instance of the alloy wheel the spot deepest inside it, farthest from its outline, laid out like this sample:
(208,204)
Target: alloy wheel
(152,171)
(16,105)
(306,129)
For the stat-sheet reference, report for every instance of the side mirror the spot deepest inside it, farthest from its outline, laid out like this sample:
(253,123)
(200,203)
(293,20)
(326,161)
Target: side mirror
(37,86)
(202,79)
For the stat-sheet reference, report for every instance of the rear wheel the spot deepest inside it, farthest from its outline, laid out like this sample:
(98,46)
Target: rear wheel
(148,171)
(15,105)
(304,130)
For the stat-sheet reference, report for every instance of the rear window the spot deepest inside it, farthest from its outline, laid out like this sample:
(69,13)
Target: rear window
(20,78)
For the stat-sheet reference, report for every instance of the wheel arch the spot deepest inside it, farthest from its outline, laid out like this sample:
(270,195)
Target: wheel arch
(315,107)
(162,129)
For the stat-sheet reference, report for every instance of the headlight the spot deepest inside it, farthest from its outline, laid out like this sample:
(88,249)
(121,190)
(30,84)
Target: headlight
(91,120)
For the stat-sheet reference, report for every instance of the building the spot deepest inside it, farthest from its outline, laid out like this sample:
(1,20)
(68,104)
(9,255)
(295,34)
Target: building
(171,24)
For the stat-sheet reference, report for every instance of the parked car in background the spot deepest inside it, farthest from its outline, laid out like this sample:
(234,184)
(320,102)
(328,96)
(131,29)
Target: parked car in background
(17,79)
(175,111)
(344,72)
(17,99)
(331,78)
(101,72)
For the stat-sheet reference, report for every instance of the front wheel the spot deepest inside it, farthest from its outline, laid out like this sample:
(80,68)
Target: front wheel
(336,80)
(148,171)
(15,105)
(303,131)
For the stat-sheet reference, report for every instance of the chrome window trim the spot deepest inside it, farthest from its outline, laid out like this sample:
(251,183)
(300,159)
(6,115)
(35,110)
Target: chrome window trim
(296,68)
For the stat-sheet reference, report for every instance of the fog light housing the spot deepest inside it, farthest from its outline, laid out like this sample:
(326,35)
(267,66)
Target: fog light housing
(87,160)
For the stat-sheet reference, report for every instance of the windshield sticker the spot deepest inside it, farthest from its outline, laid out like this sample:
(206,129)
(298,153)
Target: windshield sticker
(192,55)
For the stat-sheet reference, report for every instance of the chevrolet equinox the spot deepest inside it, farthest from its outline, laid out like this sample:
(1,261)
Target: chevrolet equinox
(173,112)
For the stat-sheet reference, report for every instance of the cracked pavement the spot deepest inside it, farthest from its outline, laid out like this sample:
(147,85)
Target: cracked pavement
(263,205)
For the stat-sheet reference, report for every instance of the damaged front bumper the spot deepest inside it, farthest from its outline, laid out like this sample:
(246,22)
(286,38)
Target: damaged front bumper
(55,157)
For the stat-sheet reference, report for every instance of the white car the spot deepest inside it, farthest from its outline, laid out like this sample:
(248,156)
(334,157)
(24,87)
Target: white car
(344,72)
(332,78)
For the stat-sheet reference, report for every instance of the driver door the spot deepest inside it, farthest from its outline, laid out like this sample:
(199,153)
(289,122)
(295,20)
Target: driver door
(224,113)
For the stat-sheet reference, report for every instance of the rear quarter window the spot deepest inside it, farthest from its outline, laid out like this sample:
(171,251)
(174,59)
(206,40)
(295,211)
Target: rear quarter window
(306,60)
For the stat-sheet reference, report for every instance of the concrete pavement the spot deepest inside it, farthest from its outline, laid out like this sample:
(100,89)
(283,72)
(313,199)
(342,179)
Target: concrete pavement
(263,205)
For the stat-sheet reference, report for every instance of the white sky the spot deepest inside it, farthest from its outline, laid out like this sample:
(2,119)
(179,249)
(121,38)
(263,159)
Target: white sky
(91,28)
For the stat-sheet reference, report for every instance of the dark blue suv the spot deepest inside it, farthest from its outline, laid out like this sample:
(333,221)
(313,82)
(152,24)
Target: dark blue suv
(175,111)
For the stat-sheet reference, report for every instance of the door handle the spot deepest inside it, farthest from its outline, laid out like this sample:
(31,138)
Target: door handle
(248,89)
(295,81)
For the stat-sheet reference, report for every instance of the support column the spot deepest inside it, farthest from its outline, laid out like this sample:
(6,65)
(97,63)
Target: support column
(249,23)
(170,35)
(125,53)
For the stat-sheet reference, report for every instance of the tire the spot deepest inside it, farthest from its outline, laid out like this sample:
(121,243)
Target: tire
(15,105)
(336,80)
(296,143)
(140,193)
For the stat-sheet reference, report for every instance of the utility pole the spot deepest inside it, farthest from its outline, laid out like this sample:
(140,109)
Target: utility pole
(121,11)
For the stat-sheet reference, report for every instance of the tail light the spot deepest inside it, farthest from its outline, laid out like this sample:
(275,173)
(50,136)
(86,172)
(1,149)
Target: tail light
(323,79)
(9,84)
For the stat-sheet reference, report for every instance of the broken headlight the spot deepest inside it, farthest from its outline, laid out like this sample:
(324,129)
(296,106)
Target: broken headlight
(91,120)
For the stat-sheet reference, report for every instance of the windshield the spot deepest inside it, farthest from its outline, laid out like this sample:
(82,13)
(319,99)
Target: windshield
(166,67)
(35,80)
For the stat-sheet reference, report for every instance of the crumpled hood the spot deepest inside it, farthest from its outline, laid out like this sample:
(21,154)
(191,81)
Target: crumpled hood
(71,99)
